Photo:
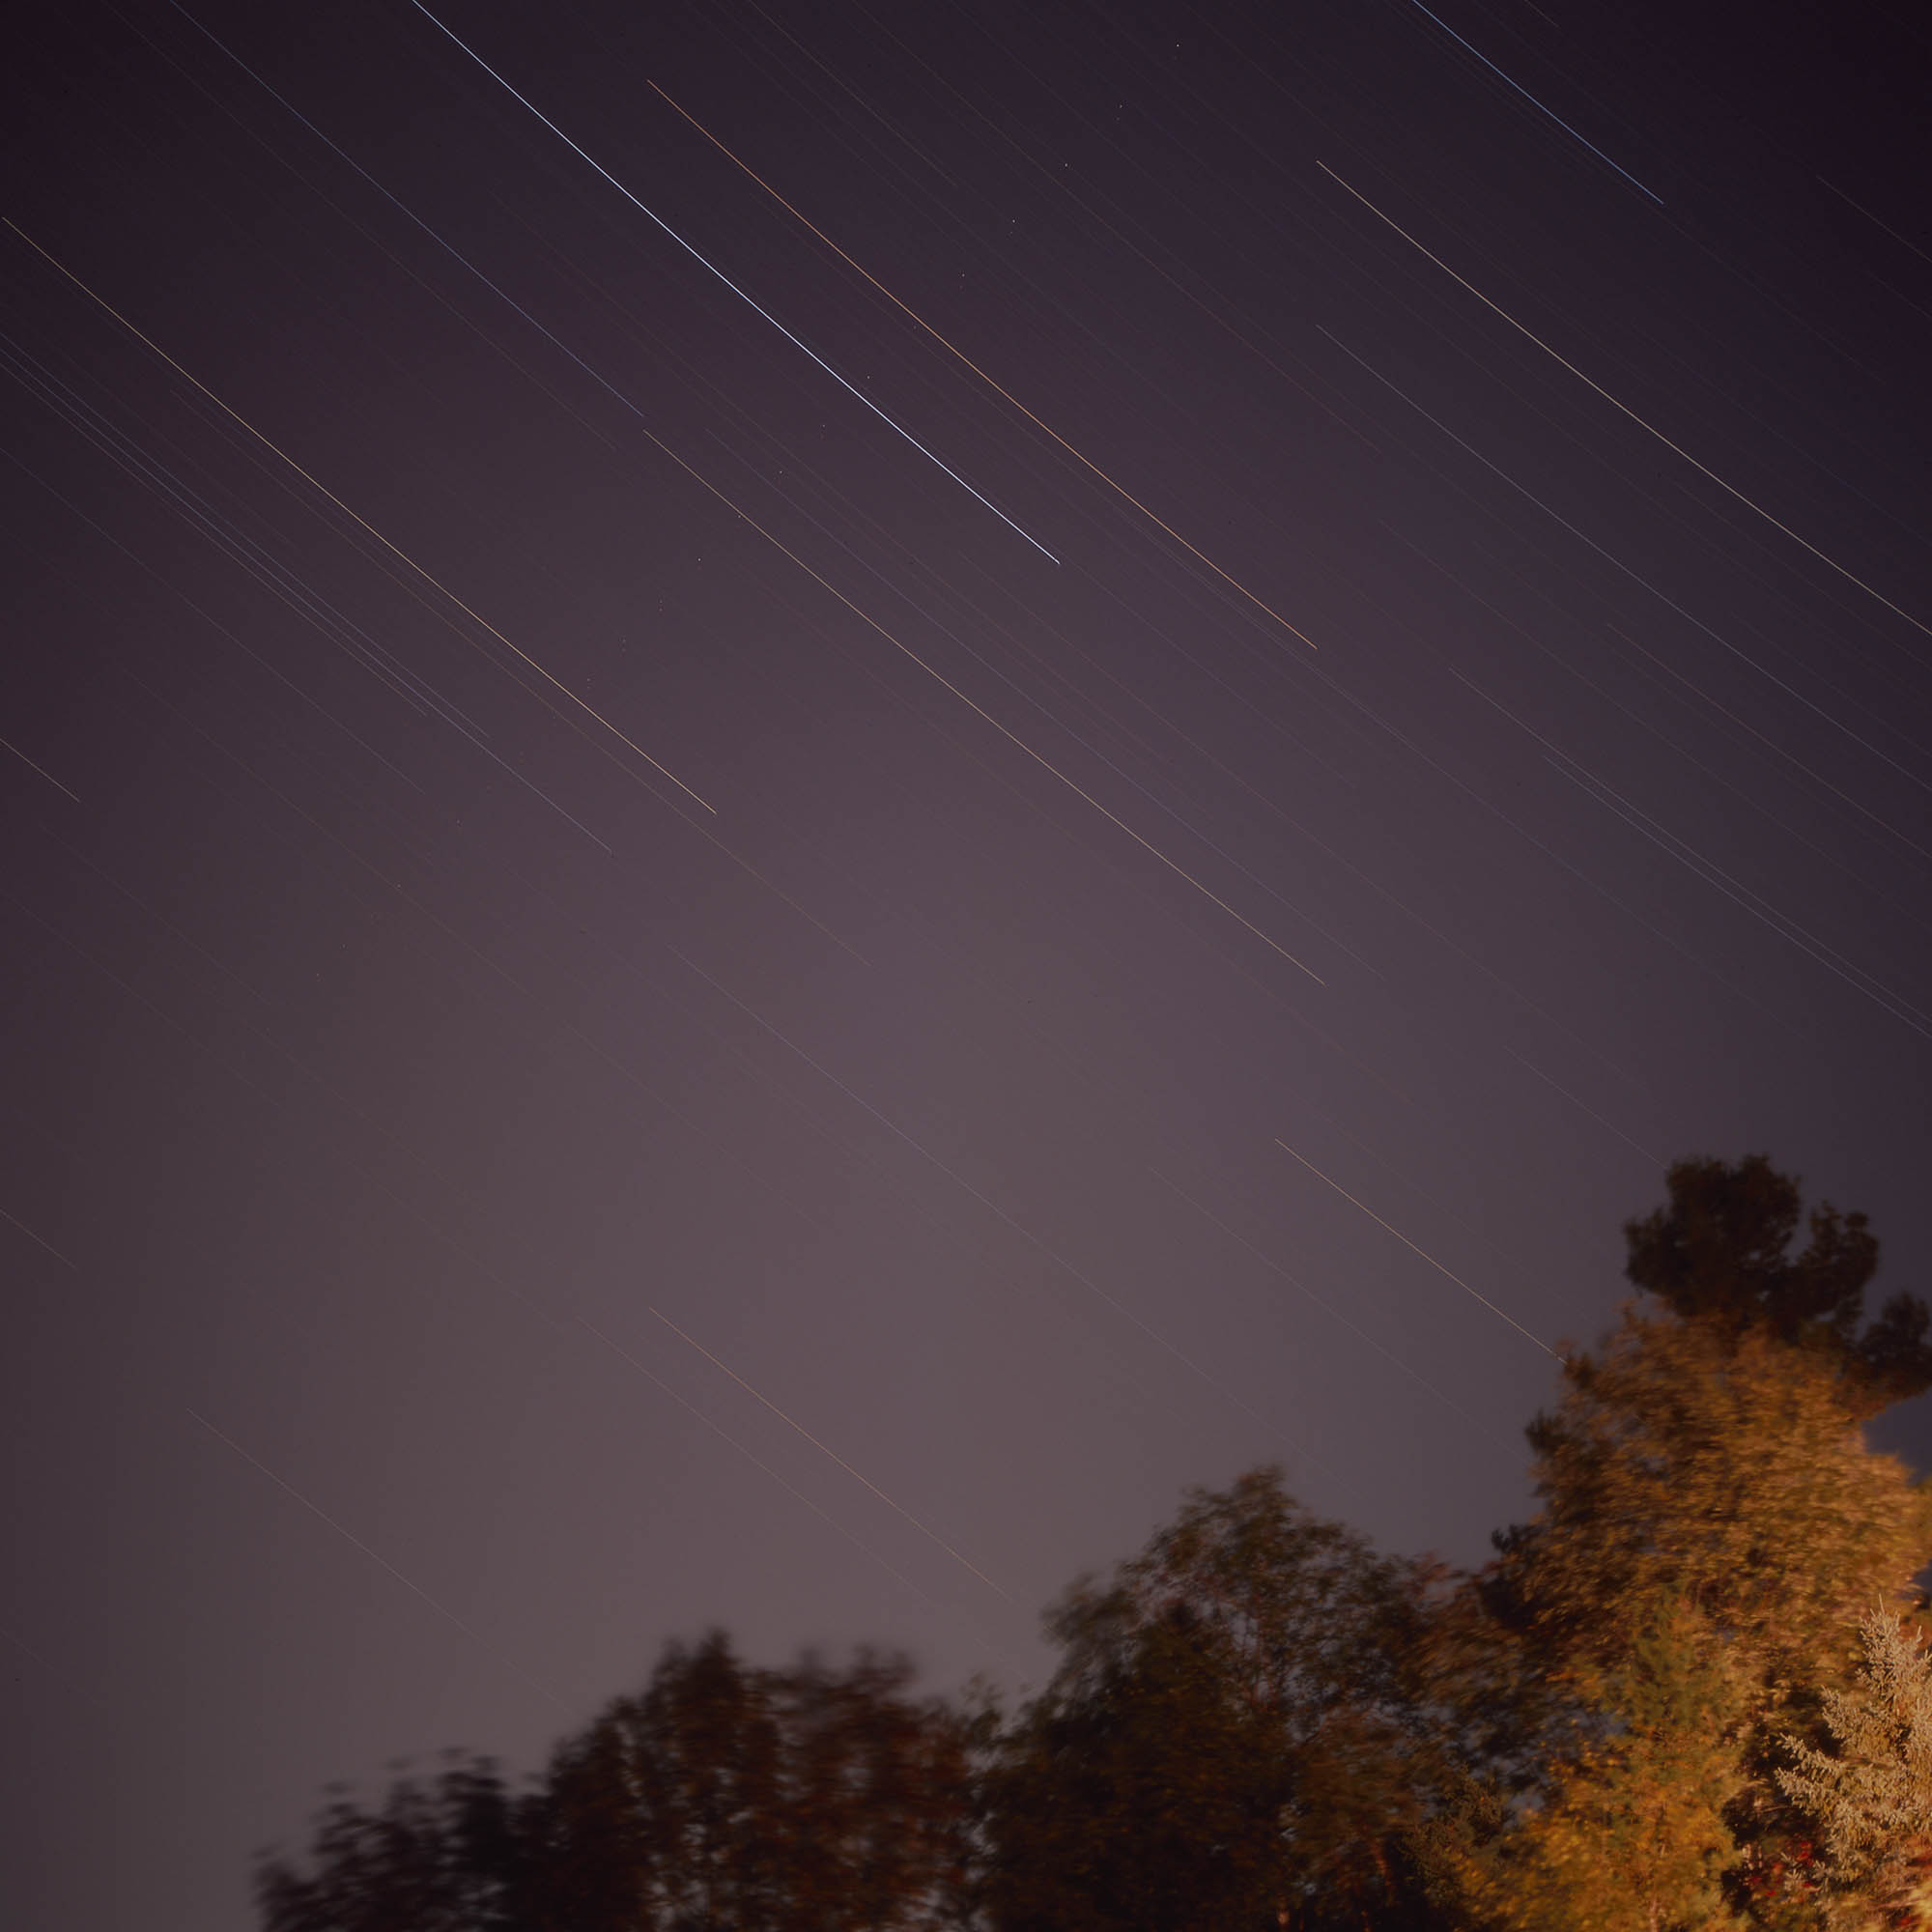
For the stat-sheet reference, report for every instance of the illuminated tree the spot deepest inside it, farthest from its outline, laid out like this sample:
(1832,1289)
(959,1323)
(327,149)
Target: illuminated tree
(1627,1831)
(1870,1795)
(1712,1522)
(1687,1470)
(1646,1714)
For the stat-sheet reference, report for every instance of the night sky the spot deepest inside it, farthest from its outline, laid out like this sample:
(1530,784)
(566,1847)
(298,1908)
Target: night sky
(767,852)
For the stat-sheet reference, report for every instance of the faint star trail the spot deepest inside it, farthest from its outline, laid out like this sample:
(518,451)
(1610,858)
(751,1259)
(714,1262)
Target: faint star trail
(724,1368)
(959,1180)
(1534,103)
(1791,691)
(797,1494)
(1643,423)
(1760,909)
(35,1238)
(1694,861)
(1771,746)
(394,549)
(272,573)
(1200,556)
(1327,1307)
(1474,1293)
(376,1557)
(32,766)
(784,550)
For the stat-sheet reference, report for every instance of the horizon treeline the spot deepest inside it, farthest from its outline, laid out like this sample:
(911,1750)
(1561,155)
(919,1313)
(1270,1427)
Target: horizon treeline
(1689,1692)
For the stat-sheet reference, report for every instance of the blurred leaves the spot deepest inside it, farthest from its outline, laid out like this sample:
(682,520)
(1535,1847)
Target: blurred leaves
(449,1857)
(1237,1730)
(1679,1698)
(817,1798)
(1718,1255)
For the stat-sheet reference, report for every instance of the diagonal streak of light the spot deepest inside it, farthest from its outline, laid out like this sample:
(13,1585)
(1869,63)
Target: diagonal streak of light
(1477,1293)
(1670,603)
(16,1219)
(375,1556)
(1046,429)
(750,302)
(1533,101)
(703,482)
(725,1369)
(1327,1307)
(1643,422)
(42,769)
(362,523)
(797,1494)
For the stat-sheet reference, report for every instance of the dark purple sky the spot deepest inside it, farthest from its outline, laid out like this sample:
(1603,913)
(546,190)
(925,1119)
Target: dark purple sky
(476,1210)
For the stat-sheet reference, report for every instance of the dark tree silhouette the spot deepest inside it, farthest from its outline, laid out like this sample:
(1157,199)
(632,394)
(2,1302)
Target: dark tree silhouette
(813,1799)
(721,1797)
(1236,1736)
(1720,1253)
(449,1856)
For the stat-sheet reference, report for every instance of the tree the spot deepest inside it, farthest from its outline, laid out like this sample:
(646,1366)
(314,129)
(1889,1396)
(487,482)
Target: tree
(1720,1253)
(1627,1831)
(1646,1714)
(1712,1522)
(721,1797)
(1709,1503)
(1870,1795)
(445,1857)
(1687,1469)
(1234,1735)
(660,1813)
(813,1799)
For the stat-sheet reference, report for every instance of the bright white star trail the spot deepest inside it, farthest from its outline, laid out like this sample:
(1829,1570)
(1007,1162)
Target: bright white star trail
(749,302)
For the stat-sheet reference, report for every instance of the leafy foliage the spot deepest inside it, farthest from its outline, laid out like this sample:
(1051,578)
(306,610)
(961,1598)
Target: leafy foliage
(1628,1832)
(1870,1795)
(1684,1469)
(1234,1731)
(1647,1714)
(1719,1253)
(445,1857)
(1712,1522)
(721,1796)
(824,1800)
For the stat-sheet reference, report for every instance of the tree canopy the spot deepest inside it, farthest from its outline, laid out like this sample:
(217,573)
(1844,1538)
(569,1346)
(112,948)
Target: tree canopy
(1869,1795)
(1685,1694)
(1720,1253)
(1237,1731)
(814,1798)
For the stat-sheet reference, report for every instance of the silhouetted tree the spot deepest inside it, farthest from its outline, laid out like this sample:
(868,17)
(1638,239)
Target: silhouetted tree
(1720,1253)
(721,1799)
(446,1857)
(1234,1736)
(811,1798)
